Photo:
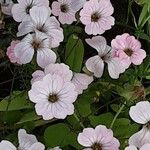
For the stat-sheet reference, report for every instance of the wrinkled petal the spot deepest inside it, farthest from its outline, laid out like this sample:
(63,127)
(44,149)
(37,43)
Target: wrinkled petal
(98,43)
(25,140)
(24,52)
(45,57)
(6,145)
(140,113)
(96,65)
(140,138)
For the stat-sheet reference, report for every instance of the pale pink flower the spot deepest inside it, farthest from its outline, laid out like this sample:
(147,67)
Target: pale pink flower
(96,16)
(20,11)
(140,138)
(26,142)
(144,147)
(76,5)
(60,69)
(37,75)
(99,138)
(140,113)
(35,43)
(81,81)
(53,97)
(95,64)
(128,49)
(6,145)
(64,11)
(40,20)
(6,7)
(10,52)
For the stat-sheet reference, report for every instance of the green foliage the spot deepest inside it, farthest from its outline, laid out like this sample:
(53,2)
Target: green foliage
(105,102)
(60,134)
(74,53)
(16,101)
(29,116)
(104,119)
(145,14)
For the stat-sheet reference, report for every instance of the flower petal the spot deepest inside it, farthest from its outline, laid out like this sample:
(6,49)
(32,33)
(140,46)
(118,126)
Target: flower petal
(25,140)
(37,146)
(24,52)
(98,43)
(140,113)
(45,57)
(96,65)
(6,145)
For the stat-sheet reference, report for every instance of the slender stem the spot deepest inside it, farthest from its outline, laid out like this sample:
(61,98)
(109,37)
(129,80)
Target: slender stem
(117,114)
(77,118)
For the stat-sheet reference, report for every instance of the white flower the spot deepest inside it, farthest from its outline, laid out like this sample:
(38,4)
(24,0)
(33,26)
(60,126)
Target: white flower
(99,138)
(140,138)
(6,6)
(64,11)
(140,113)
(60,69)
(26,142)
(38,43)
(21,10)
(95,64)
(76,5)
(81,81)
(53,97)
(40,20)
(6,145)
(144,147)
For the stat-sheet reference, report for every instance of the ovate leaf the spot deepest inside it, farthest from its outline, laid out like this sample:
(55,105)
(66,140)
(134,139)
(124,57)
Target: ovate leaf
(17,101)
(74,53)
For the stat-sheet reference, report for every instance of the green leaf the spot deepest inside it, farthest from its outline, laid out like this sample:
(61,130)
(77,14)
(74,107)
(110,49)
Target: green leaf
(104,119)
(74,53)
(73,122)
(144,16)
(17,101)
(30,116)
(122,122)
(142,35)
(56,134)
(140,2)
(125,131)
(10,117)
(71,139)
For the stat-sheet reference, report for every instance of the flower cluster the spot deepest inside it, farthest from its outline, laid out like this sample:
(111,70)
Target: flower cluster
(55,87)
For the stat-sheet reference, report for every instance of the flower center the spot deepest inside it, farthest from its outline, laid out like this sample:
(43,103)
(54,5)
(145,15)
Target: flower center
(28,8)
(128,51)
(64,8)
(53,98)
(36,45)
(95,17)
(97,146)
(148,125)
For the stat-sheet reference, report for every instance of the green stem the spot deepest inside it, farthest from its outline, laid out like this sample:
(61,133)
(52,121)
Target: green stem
(117,114)
(77,118)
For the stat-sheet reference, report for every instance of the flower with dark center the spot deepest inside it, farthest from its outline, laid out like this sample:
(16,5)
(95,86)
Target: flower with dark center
(53,98)
(128,51)
(97,146)
(28,8)
(95,17)
(36,45)
(64,8)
